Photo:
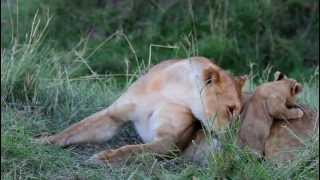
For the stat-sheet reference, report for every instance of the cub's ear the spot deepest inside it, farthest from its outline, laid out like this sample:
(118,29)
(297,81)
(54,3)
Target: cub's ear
(211,75)
(241,80)
(279,76)
(296,88)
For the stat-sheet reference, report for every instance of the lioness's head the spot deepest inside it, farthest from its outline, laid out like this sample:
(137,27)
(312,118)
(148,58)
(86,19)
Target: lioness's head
(221,96)
(289,88)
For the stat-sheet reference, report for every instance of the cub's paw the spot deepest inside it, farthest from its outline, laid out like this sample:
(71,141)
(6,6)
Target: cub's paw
(299,113)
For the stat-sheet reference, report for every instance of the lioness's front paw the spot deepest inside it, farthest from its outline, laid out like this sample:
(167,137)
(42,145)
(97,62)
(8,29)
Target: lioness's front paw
(257,153)
(110,157)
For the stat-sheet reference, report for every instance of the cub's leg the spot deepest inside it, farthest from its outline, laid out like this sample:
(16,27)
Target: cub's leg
(278,109)
(173,127)
(96,128)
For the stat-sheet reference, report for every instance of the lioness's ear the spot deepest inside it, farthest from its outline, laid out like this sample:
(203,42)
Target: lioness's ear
(211,75)
(279,76)
(296,88)
(241,80)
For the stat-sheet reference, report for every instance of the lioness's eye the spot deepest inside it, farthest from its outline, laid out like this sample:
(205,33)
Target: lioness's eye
(209,81)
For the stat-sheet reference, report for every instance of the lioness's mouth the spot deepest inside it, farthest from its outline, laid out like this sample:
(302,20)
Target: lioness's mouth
(231,115)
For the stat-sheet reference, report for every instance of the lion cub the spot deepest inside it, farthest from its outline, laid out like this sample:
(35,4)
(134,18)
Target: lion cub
(272,100)
(285,138)
(288,136)
(269,107)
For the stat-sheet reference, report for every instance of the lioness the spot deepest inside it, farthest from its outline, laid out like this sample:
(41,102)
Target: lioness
(268,107)
(163,104)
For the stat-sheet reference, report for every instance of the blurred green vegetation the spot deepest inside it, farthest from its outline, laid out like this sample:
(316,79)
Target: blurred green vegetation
(237,34)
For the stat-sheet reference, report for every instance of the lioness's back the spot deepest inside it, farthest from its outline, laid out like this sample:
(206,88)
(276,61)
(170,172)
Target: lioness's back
(168,73)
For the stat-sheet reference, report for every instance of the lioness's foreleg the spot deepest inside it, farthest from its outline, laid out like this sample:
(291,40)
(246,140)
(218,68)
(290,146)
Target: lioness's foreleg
(160,147)
(96,128)
(277,109)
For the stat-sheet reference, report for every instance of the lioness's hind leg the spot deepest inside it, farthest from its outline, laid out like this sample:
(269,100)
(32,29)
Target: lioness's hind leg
(96,128)
(173,130)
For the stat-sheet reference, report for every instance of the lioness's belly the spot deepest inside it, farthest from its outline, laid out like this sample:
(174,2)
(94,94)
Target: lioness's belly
(155,116)
(144,131)
(143,119)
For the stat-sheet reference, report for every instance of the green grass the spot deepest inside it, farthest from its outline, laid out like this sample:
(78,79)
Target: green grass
(283,34)
(50,80)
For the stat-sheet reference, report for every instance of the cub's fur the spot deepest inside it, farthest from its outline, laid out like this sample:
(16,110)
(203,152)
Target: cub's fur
(272,100)
(163,105)
(286,134)
(287,137)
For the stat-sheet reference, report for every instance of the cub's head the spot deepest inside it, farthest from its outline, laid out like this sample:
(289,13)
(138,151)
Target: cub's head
(289,88)
(221,96)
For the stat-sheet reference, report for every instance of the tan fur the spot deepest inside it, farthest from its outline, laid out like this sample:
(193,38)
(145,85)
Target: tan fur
(163,105)
(200,147)
(285,140)
(288,130)
(270,101)
(287,137)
